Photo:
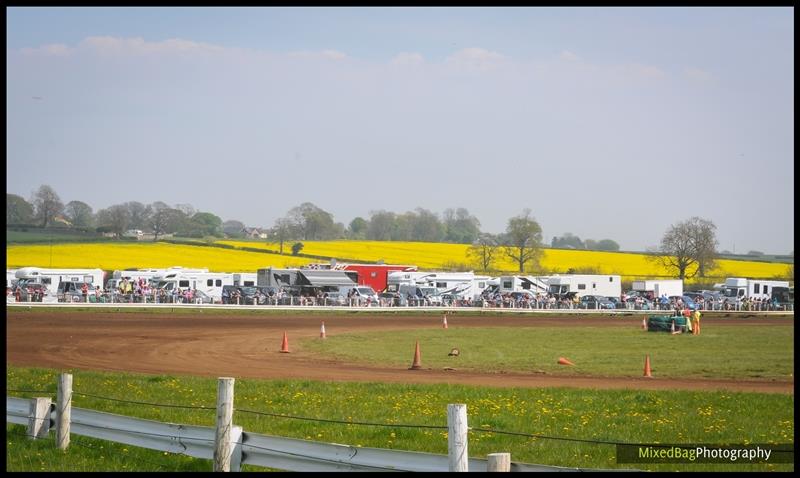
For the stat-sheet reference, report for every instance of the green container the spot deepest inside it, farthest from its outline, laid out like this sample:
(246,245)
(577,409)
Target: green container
(663,323)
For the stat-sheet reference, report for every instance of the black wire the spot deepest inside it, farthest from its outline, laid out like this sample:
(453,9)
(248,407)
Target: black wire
(47,437)
(198,407)
(324,420)
(531,435)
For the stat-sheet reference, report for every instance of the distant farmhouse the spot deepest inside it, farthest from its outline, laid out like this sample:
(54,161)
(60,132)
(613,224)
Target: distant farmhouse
(254,233)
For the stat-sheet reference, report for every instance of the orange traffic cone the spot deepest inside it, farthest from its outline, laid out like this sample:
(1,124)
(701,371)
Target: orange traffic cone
(322,330)
(416,365)
(644,323)
(444,321)
(285,344)
(647,367)
(563,361)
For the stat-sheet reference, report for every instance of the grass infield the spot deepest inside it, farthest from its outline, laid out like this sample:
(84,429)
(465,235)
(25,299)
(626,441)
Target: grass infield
(629,416)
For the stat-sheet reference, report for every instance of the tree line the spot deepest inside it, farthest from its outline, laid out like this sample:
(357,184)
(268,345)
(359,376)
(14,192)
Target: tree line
(688,248)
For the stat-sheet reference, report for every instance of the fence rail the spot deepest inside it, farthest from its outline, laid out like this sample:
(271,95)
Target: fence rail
(229,446)
(136,305)
(249,448)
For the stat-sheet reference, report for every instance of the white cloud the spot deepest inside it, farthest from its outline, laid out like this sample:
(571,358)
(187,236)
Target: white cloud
(116,45)
(478,58)
(55,49)
(329,54)
(569,56)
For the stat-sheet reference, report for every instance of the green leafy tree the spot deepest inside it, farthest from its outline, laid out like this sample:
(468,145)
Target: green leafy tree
(357,229)
(313,223)
(79,214)
(233,228)
(18,210)
(114,219)
(566,241)
(460,226)
(606,245)
(381,225)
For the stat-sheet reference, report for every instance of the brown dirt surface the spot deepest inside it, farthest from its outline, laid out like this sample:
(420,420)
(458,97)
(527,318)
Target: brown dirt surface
(218,343)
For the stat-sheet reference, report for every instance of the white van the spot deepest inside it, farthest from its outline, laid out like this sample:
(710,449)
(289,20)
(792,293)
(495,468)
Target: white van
(360,295)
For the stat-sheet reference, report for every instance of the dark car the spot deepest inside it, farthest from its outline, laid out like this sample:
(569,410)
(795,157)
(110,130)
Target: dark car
(595,302)
(32,292)
(69,291)
(247,295)
(639,303)
(393,298)
(686,300)
(618,304)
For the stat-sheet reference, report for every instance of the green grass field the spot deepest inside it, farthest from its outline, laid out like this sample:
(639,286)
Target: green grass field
(56,237)
(719,352)
(629,416)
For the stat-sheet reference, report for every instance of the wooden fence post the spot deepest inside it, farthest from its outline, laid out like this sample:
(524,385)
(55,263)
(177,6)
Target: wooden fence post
(499,462)
(222,438)
(39,417)
(458,458)
(63,410)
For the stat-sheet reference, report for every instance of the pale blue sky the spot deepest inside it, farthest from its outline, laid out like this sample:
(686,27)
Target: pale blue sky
(605,122)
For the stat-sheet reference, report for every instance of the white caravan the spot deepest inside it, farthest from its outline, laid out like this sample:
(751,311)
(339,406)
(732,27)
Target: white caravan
(461,284)
(737,288)
(521,283)
(51,278)
(210,283)
(147,274)
(658,288)
(581,285)
(245,279)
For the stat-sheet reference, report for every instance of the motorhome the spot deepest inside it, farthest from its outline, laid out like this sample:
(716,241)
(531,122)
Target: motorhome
(134,275)
(580,285)
(658,288)
(51,278)
(737,288)
(210,283)
(460,284)
(247,279)
(534,284)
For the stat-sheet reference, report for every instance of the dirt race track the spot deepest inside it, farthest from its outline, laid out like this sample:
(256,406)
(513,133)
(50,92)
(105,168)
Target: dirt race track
(220,344)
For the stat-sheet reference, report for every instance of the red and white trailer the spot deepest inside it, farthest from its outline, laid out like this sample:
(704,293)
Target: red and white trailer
(372,275)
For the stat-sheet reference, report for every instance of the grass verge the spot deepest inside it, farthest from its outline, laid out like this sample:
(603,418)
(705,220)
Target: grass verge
(630,416)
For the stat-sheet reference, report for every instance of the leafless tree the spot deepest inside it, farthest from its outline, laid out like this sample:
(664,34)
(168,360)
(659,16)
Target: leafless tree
(47,204)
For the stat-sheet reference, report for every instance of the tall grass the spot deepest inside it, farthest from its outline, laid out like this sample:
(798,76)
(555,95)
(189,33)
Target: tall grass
(630,416)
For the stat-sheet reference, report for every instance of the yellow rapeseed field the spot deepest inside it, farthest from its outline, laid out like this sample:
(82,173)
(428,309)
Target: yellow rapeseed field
(443,256)
(113,256)
(427,256)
